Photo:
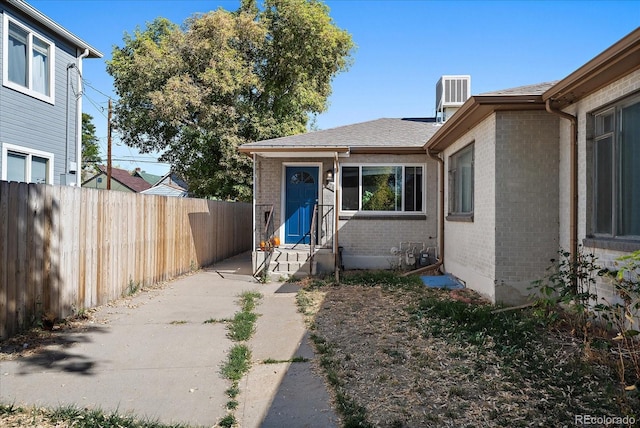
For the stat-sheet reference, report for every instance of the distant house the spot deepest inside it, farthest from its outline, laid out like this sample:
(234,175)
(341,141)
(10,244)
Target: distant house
(152,179)
(40,110)
(169,185)
(121,180)
(499,183)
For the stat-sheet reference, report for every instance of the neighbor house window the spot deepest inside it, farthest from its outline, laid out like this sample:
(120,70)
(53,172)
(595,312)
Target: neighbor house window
(383,188)
(617,170)
(26,165)
(28,61)
(461,182)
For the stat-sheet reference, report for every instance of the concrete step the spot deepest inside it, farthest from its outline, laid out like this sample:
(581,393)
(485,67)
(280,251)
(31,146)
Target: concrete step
(289,263)
(290,256)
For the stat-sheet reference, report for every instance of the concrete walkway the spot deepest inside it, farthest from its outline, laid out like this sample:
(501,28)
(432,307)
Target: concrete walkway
(154,356)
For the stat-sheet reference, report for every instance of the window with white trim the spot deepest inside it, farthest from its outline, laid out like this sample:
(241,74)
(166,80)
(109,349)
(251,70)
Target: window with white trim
(382,188)
(461,192)
(616,189)
(28,61)
(26,165)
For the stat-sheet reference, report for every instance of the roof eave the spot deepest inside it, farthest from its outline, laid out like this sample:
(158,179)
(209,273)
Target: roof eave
(32,12)
(387,150)
(291,151)
(617,61)
(474,111)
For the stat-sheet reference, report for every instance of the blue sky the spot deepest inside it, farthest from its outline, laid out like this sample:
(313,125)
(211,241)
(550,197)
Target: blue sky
(403,47)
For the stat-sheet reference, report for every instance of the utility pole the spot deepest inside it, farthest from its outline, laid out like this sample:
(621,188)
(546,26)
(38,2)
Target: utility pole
(109,146)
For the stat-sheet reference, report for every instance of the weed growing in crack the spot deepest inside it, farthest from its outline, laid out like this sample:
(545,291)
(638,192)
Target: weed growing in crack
(238,363)
(242,326)
(297,359)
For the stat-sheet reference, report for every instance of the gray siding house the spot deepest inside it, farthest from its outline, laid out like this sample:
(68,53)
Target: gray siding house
(40,97)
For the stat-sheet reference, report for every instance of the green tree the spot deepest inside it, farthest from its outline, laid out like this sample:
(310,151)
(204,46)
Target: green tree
(197,92)
(90,148)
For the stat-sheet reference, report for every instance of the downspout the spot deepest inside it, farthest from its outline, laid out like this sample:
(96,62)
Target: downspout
(336,218)
(67,124)
(440,261)
(79,120)
(573,186)
(440,161)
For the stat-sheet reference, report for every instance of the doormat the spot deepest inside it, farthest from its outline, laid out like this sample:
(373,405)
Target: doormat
(446,281)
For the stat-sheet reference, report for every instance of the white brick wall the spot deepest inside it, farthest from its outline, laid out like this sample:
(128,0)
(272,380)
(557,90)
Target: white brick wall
(470,246)
(514,232)
(366,242)
(582,109)
(268,184)
(526,200)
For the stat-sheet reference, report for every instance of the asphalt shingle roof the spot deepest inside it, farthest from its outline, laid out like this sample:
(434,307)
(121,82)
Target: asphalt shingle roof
(537,89)
(133,182)
(386,132)
(381,133)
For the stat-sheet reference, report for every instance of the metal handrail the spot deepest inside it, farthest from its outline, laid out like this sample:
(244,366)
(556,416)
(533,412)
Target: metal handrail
(312,238)
(266,236)
(327,224)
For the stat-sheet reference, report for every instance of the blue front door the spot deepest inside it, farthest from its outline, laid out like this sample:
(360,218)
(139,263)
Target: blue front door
(301,196)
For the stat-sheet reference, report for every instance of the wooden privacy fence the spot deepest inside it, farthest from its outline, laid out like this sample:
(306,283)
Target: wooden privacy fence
(63,249)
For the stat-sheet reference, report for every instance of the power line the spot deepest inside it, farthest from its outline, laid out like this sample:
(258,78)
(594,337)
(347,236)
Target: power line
(89,85)
(101,109)
(139,161)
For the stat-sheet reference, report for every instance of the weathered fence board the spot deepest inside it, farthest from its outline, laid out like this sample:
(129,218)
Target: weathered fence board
(63,249)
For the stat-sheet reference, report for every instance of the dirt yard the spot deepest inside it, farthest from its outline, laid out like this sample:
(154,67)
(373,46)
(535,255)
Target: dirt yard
(426,358)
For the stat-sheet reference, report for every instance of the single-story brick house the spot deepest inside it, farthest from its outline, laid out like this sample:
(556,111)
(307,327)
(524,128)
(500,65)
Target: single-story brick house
(509,179)
(550,166)
(375,175)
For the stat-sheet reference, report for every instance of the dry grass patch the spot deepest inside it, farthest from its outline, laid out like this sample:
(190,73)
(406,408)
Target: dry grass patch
(403,355)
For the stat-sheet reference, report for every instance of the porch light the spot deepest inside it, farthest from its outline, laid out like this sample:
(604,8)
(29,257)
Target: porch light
(328,176)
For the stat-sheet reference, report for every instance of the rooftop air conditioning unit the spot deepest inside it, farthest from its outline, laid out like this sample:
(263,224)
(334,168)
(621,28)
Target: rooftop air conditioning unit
(451,93)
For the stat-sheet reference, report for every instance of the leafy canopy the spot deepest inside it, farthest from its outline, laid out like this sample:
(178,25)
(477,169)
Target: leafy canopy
(224,78)
(90,147)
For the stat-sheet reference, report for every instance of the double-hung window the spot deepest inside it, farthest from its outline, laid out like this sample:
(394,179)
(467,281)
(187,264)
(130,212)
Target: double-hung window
(28,61)
(461,182)
(383,188)
(26,165)
(616,190)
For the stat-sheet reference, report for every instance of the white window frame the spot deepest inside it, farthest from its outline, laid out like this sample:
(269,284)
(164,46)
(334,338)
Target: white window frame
(27,90)
(616,140)
(384,213)
(29,153)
